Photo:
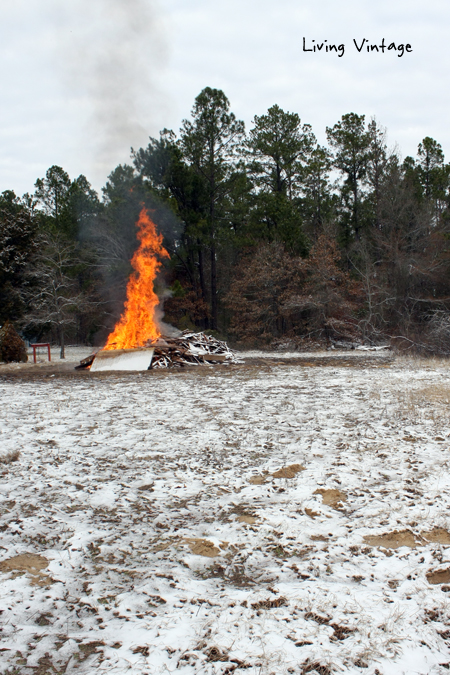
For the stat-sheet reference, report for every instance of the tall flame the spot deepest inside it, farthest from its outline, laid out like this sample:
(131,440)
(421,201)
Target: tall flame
(137,323)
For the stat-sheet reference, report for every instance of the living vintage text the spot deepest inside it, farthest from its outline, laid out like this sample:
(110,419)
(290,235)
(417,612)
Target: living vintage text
(360,45)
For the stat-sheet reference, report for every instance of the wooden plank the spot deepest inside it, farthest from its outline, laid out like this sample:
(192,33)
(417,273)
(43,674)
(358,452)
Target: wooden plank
(214,357)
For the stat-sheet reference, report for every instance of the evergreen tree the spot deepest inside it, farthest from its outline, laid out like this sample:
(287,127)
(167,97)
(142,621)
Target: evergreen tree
(276,150)
(377,162)
(209,143)
(19,241)
(351,144)
(317,202)
(52,195)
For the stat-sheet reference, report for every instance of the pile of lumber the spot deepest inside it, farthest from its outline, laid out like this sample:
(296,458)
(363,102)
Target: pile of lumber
(189,349)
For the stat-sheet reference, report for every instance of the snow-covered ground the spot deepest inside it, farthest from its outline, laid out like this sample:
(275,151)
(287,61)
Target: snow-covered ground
(73,354)
(146,527)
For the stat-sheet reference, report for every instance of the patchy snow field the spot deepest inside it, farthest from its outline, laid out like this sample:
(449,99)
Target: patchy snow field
(271,517)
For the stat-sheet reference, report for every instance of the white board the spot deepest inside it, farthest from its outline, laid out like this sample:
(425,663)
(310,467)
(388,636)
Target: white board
(122,359)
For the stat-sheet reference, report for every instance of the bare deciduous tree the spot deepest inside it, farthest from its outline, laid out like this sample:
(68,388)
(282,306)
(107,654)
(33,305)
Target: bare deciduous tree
(53,294)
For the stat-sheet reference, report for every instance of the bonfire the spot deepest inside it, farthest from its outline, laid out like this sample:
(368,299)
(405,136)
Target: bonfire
(136,343)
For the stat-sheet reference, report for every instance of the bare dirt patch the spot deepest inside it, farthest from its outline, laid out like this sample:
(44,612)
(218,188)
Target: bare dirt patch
(437,536)
(257,480)
(203,547)
(392,540)
(311,513)
(250,520)
(439,576)
(333,498)
(161,546)
(28,563)
(289,471)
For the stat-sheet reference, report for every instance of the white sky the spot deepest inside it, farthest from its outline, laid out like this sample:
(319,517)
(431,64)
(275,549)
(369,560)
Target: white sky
(83,81)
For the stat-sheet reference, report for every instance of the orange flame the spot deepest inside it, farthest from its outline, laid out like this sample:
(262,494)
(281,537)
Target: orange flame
(137,323)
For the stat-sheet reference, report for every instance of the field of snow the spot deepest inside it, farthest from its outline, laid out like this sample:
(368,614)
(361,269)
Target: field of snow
(260,518)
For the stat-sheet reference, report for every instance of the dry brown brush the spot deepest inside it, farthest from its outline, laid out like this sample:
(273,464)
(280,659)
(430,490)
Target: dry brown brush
(274,293)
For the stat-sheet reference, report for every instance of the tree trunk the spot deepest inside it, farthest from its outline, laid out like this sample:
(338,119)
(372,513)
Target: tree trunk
(213,251)
(213,285)
(62,354)
(201,271)
(355,210)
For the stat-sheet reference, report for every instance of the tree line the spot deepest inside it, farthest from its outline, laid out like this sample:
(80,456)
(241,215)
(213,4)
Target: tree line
(272,237)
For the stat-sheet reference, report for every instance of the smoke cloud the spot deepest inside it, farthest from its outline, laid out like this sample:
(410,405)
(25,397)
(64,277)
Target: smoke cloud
(113,53)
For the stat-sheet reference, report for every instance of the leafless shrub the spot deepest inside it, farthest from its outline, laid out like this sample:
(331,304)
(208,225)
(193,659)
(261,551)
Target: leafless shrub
(439,332)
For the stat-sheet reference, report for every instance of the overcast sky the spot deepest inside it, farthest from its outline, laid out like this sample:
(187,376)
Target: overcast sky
(83,81)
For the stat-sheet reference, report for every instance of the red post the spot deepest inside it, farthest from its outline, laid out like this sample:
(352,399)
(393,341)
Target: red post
(41,344)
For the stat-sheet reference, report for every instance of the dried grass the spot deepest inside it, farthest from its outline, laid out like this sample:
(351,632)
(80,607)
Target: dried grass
(429,363)
(431,402)
(270,604)
(11,456)
(437,393)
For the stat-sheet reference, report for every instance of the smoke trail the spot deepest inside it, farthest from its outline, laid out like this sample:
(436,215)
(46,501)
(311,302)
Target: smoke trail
(113,52)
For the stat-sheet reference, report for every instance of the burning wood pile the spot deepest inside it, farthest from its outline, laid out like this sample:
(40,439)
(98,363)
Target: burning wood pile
(189,349)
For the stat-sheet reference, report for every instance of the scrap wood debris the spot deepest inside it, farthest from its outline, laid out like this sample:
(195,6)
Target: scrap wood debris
(189,349)
(86,363)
